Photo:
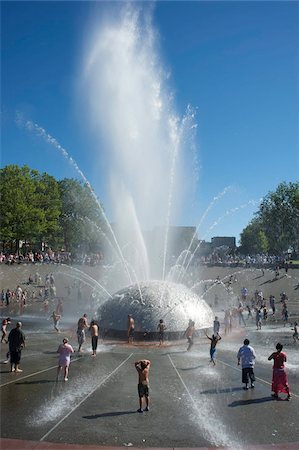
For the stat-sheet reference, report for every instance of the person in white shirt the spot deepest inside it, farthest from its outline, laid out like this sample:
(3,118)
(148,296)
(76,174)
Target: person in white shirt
(246,355)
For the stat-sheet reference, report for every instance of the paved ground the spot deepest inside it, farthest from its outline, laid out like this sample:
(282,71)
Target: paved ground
(192,403)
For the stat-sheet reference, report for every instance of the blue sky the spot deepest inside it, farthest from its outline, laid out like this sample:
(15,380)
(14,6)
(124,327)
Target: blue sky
(237,63)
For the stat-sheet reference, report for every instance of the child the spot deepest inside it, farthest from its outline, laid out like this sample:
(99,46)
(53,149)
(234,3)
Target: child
(5,322)
(214,341)
(56,318)
(64,350)
(161,327)
(295,334)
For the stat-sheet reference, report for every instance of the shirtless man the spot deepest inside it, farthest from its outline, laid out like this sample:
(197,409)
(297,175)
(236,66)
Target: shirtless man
(94,332)
(142,368)
(131,329)
(82,325)
(189,334)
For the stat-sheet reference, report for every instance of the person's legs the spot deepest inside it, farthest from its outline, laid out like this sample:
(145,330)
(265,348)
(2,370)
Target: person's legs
(288,392)
(245,377)
(66,372)
(140,404)
(58,372)
(147,403)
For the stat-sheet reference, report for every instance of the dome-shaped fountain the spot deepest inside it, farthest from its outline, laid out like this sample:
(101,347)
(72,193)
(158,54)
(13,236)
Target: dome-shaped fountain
(150,301)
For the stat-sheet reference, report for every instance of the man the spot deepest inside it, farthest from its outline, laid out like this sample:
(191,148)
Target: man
(82,325)
(16,341)
(142,368)
(94,333)
(246,355)
(131,329)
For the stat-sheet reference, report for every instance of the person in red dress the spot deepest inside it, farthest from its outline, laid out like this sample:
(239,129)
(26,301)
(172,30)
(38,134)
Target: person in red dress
(279,377)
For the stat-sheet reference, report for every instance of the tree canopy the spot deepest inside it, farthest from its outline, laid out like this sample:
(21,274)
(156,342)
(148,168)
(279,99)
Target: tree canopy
(36,208)
(276,225)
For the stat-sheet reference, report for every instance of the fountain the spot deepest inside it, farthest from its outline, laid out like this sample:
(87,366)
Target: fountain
(147,155)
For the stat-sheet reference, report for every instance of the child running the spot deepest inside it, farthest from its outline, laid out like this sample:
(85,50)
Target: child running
(64,350)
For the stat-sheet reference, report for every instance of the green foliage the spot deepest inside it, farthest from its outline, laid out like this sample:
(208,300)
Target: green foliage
(80,219)
(276,226)
(254,239)
(36,208)
(279,214)
(30,204)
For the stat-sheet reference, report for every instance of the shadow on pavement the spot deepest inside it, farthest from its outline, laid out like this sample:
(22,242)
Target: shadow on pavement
(109,414)
(251,401)
(173,353)
(189,368)
(222,391)
(37,382)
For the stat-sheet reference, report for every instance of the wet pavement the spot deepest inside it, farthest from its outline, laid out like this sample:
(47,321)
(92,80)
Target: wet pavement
(193,404)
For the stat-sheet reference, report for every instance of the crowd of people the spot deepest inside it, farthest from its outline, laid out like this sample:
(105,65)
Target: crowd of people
(246,355)
(50,257)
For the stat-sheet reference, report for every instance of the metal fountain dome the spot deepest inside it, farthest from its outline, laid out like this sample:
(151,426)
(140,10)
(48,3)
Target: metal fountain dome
(150,301)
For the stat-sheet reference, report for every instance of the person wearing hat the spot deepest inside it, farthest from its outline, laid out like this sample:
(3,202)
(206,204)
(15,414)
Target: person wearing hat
(16,342)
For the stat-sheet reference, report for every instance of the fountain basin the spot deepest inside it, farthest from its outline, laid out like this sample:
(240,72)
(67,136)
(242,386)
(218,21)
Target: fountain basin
(150,301)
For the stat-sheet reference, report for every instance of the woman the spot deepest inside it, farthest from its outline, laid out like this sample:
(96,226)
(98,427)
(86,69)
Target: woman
(279,377)
(64,350)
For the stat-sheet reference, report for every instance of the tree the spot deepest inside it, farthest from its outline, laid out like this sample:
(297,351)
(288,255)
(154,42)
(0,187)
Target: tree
(30,205)
(81,219)
(253,239)
(279,216)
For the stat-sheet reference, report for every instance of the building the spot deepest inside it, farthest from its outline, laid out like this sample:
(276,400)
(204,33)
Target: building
(223,241)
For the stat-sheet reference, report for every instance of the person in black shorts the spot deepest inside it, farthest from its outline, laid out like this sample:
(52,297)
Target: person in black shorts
(142,368)
(16,342)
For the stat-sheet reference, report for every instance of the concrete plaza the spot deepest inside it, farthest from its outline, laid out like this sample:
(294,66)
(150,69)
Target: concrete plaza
(193,404)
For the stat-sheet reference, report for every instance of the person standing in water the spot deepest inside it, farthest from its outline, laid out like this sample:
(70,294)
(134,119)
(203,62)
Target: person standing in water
(131,329)
(65,350)
(279,375)
(161,327)
(94,333)
(214,341)
(5,322)
(142,368)
(246,355)
(56,318)
(81,327)
(189,334)
(16,341)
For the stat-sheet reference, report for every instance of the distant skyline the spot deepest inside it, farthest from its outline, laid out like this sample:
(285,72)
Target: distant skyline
(235,63)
